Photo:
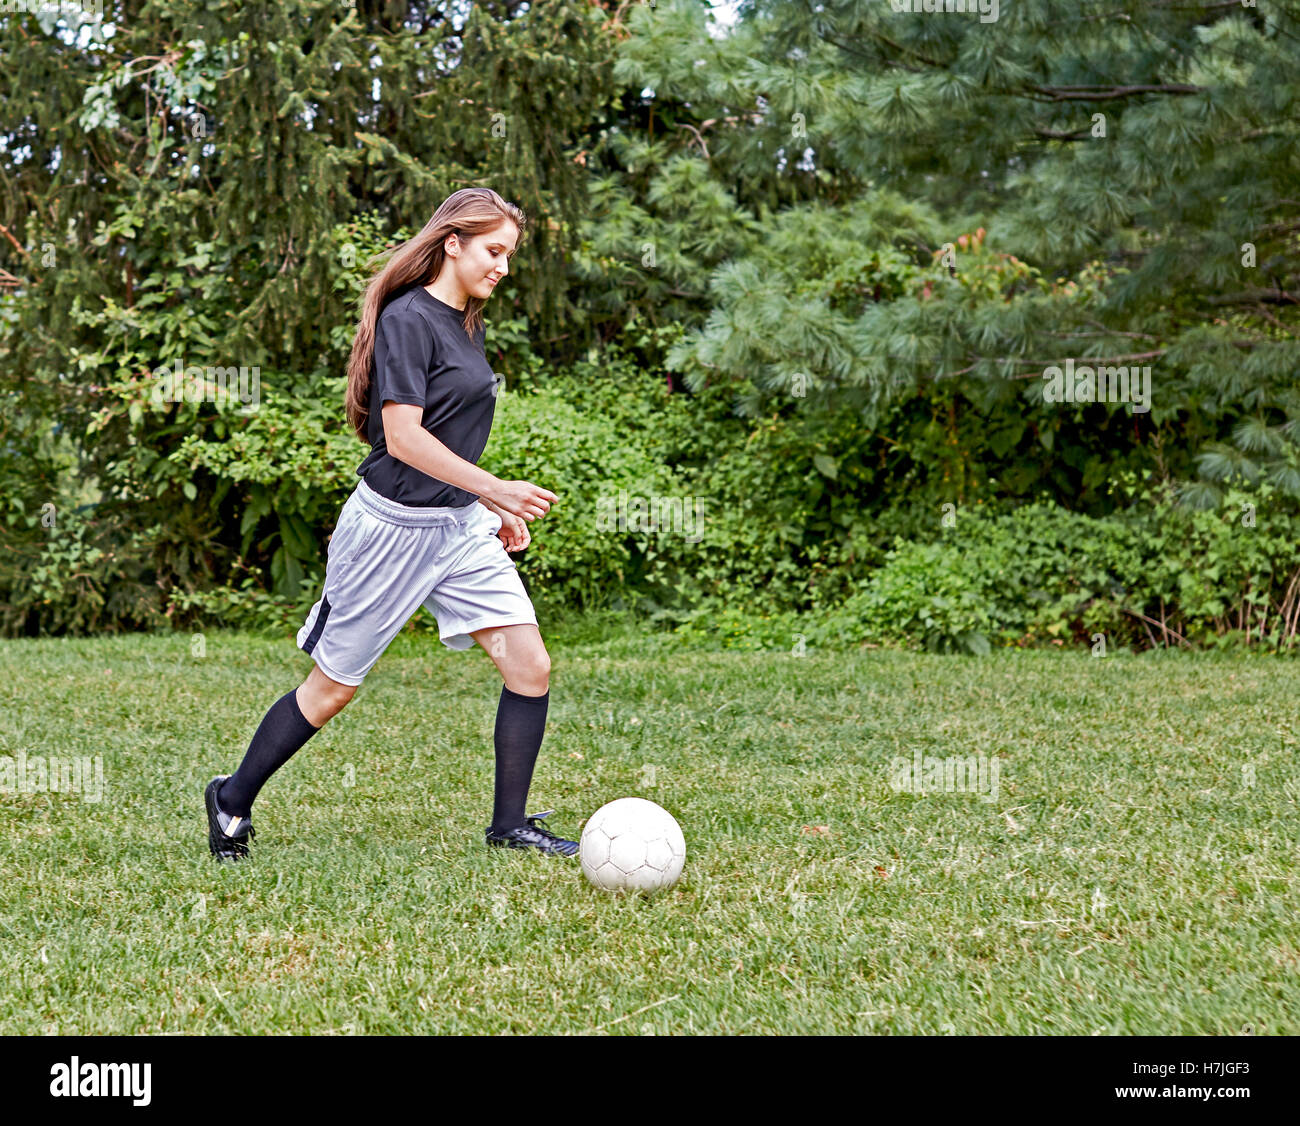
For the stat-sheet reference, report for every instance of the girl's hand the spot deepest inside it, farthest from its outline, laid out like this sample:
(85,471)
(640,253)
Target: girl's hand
(513,531)
(521,498)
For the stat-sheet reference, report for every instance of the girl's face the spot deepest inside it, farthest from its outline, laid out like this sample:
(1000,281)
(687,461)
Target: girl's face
(484,260)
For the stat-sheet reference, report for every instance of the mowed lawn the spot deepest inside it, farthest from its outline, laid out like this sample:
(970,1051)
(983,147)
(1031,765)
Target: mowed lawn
(1134,873)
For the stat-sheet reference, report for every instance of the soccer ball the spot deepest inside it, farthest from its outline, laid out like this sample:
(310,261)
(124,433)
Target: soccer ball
(633,844)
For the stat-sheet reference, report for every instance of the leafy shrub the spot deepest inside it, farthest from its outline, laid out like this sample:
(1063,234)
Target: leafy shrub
(70,572)
(586,461)
(1152,572)
(780,498)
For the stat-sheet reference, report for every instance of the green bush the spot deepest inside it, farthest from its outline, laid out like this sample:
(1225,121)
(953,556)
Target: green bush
(67,571)
(1153,572)
(586,460)
(781,498)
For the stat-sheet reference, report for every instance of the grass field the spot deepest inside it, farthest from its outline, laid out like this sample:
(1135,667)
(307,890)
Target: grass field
(1133,873)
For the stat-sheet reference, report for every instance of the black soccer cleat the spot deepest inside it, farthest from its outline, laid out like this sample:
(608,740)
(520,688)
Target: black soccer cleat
(228,836)
(533,835)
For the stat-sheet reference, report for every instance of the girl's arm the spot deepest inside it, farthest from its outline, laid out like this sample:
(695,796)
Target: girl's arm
(408,441)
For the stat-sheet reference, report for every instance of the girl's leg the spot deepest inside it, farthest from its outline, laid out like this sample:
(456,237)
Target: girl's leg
(293,719)
(320,699)
(525,666)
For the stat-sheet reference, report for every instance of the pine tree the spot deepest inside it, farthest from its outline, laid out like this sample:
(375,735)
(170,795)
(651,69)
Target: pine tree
(183,181)
(1132,166)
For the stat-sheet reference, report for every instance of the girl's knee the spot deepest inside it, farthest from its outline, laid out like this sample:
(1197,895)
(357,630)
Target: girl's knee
(531,678)
(320,698)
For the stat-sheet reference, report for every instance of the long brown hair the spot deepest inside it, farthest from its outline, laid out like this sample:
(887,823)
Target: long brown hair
(466,213)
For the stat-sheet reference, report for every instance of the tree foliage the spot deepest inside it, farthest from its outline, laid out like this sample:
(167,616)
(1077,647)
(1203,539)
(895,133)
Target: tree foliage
(848,241)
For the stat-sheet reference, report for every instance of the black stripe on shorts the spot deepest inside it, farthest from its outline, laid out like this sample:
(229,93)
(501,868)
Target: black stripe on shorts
(316,630)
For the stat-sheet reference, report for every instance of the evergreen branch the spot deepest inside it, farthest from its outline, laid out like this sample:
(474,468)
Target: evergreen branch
(1106,332)
(1117,332)
(1109,93)
(916,54)
(1254,296)
(1263,311)
(1254,133)
(1053,135)
(1092,361)
(874,57)
(288,257)
(1204,9)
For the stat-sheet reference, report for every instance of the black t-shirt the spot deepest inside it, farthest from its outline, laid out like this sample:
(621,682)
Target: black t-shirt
(423,356)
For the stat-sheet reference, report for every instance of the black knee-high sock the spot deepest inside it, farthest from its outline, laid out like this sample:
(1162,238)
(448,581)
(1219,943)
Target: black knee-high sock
(521,723)
(282,731)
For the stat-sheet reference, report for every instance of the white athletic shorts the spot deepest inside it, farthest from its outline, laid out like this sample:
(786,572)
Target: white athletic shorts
(386,560)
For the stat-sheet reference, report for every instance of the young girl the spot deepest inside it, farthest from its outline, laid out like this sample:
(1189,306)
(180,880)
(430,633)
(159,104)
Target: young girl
(421,529)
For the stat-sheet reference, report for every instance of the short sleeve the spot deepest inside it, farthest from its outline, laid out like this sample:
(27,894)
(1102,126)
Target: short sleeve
(403,377)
